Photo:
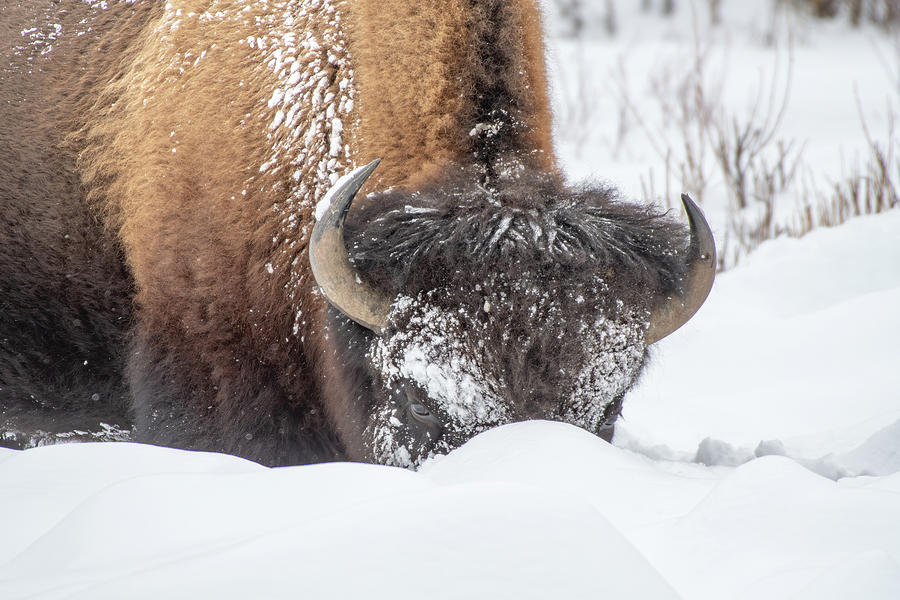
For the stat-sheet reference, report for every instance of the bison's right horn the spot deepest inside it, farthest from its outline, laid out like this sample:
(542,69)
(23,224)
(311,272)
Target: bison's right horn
(330,262)
(671,313)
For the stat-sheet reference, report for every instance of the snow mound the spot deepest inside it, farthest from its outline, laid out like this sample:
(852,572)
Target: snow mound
(794,353)
(530,510)
(126,521)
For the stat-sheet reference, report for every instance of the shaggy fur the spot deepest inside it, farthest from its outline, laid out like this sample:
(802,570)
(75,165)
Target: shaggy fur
(65,296)
(158,175)
(527,266)
(455,230)
(455,79)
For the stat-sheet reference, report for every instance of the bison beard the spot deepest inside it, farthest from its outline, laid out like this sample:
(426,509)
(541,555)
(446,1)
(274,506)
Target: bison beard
(156,218)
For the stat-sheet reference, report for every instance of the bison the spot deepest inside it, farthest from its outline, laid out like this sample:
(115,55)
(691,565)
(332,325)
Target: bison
(181,264)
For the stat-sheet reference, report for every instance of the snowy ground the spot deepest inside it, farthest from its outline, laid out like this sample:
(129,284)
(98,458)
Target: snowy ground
(759,456)
(795,349)
(798,345)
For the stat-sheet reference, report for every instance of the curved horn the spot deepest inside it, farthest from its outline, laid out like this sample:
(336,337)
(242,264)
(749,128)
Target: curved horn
(330,261)
(671,313)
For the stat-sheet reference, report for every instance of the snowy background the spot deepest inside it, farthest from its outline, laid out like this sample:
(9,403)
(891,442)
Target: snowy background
(759,456)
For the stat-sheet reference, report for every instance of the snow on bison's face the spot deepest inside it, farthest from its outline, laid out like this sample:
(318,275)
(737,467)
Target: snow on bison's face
(484,307)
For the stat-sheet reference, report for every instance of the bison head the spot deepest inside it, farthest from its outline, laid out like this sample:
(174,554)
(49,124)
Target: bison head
(487,306)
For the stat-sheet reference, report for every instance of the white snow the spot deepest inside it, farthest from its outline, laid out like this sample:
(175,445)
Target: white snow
(797,345)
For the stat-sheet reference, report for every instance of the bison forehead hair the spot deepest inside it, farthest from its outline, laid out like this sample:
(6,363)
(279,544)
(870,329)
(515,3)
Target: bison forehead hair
(528,300)
(457,230)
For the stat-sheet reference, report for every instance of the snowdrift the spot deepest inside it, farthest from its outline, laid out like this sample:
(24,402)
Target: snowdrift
(758,458)
(795,352)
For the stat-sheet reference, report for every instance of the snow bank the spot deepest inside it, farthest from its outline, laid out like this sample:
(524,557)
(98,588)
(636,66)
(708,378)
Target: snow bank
(795,352)
(127,521)
(530,510)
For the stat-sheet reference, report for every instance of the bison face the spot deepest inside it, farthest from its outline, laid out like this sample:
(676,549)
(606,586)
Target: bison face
(455,362)
(493,306)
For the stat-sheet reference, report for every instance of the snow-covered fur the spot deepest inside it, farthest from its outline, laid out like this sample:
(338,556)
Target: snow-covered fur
(167,160)
(521,301)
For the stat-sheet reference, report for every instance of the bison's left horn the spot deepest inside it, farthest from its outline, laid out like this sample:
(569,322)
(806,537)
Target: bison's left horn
(671,313)
(330,262)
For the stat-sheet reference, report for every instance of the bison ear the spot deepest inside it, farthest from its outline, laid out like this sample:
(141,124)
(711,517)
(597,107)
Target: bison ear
(668,314)
(330,261)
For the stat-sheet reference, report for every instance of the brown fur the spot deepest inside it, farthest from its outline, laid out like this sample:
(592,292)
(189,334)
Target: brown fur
(429,72)
(169,127)
(64,293)
(209,313)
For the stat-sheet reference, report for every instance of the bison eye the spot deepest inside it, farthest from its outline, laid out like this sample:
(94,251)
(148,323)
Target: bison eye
(420,418)
(420,413)
(423,423)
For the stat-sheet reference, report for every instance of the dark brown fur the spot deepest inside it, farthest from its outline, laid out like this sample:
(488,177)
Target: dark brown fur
(64,292)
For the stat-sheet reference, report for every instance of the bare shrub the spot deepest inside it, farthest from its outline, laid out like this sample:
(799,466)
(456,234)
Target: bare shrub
(856,11)
(715,12)
(584,19)
(687,103)
(703,146)
(578,111)
(609,18)
(885,13)
(698,141)
(571,12)
(868,190)
(824,8)
(757,166)
(740,145)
